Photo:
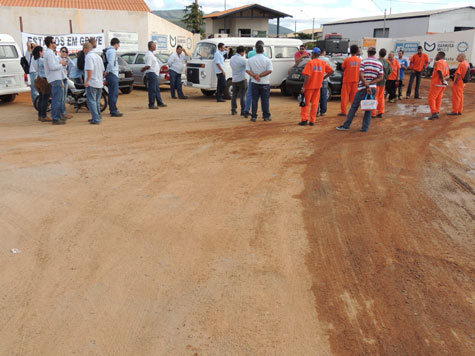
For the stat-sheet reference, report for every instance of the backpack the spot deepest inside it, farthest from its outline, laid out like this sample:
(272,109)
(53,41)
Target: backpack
(104,52)
(467,77)
(81,60)
(25,64)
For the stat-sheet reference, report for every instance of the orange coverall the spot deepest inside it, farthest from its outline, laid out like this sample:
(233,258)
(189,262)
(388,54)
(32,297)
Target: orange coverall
(437,88)
(351,77)
(457,88)
(315,70)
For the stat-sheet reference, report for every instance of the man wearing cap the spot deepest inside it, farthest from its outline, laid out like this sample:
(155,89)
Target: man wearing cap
(315,72)
(371,73)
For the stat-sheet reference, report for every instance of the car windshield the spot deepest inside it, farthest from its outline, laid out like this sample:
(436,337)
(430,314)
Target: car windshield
(205,50)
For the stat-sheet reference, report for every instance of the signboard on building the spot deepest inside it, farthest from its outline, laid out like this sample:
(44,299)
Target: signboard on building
(72,41)
(129,41)
(161,41)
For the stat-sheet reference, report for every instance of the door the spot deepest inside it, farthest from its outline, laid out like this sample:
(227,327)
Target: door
(137,67)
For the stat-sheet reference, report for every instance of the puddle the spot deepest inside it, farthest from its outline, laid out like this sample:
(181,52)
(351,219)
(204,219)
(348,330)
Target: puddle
(411,109)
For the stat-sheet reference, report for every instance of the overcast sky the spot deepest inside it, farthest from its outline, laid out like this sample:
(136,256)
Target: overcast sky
(322,11)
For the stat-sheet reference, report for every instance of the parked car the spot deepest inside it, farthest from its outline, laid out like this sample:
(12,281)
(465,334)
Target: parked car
(200,70)
(126,77)
(12,77)
(295,78)
(136,61)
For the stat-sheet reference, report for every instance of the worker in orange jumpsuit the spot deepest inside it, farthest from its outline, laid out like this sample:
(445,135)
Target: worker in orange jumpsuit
(393,77)
(315,72)
(418,63)
(381,86)
(459,85)
(438,84)
(351,77)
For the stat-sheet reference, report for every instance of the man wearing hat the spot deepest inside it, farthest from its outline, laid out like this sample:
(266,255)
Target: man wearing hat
(315,72)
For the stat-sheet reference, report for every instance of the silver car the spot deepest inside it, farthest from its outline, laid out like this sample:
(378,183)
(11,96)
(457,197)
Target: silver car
(136,61)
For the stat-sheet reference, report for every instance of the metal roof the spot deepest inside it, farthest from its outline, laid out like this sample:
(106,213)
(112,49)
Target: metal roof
(221,14)
(398,16)
(124,5)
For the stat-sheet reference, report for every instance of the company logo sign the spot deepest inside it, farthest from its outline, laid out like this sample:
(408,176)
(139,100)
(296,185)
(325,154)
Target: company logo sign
(429,47)
(462,46)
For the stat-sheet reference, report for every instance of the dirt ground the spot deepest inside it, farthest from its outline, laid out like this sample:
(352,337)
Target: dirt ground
(188,231)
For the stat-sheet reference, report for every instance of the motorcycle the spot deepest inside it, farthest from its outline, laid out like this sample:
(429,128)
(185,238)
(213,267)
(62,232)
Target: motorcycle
(77,97)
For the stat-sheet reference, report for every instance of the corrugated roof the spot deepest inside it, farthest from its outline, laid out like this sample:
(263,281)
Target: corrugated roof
(397,16)
(219,14)
(124,5)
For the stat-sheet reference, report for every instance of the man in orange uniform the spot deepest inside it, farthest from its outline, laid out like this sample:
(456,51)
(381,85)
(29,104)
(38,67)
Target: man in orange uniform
(418,63)
(459,85)
(438,84)
(315,72)
(351,77)
(393,77)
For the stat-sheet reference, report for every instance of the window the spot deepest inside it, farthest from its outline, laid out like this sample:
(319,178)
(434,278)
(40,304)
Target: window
(129,58)
(244,32)
(7,52)
(205,50)
(224,30)
(140,59)
(163,58)
(285,52)
(378,32)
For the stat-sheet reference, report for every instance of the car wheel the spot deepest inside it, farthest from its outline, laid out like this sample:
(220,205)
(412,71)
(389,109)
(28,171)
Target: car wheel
(208,92)
(126,90)
(8,98)
(284,91)
(228,92)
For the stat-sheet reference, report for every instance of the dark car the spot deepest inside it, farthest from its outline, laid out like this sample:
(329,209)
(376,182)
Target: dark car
(126,76)
(295,78)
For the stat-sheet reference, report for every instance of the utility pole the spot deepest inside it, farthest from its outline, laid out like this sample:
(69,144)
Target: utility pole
(313,28)
(384,26)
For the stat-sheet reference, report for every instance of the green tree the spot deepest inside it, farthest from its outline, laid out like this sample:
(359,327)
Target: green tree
(193,18)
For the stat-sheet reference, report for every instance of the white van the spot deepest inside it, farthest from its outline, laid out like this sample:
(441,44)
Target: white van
(200,70)
(12,76)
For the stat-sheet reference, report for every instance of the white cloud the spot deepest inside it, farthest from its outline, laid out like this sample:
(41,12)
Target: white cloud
(155,4)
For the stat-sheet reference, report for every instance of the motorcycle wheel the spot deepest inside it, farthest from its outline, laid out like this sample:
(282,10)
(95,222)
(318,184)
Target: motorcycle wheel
(103,101)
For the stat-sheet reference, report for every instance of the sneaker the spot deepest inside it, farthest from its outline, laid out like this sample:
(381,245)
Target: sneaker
(312,124)
(408,97)
(459,113)
(322,114)
(379,116)
(453,114)
(117,114)
(341,114)
(59,122)
(67,116)
(153,107)
(221,100)
(267,119)
(162,105)
(434,116)
(363,130)
(183,97)
(174,97)
(233,112)
(90,120)
(95,122)
(253,119)
(303,123)
(246,115)
(342,128)
(391,101)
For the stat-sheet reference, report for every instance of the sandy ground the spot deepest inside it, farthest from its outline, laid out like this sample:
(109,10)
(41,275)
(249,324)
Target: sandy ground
(188,231)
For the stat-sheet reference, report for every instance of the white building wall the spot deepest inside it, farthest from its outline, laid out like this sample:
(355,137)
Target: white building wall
(397,28)
(236,23)
(446,22)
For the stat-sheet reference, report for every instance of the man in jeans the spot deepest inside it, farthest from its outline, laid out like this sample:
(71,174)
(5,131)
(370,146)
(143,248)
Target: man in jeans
(249,87)
(219,70)
(322,109)
(238,66)
(418,63)
(176,63)
(53,70)
(112,76)
(152,71)
(94,82)
(259,68)
(371,72)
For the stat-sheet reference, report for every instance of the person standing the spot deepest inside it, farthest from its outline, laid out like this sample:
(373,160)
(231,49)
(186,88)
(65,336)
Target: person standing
(66,69)
(403,64)
(41,84)
(315,72)
(371,73)
(112,76)
(351,77)
(220,73)
(418,63)
(393,77)
(301,54)
(259,68)
(54,75)
(438,85)
(381,86)
(176,63)
(459,85)
(322,107)
(249,87)
(152,71)
(94,82)
(238,67)
(76,74)
(32,66)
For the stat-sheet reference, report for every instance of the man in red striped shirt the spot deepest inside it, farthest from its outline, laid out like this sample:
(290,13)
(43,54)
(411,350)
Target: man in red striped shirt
(371,72)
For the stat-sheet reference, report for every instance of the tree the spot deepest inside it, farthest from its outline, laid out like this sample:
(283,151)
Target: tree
(193,18)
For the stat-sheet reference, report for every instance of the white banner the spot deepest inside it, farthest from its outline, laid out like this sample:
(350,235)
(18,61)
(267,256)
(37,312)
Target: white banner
(129,41)
(73,41)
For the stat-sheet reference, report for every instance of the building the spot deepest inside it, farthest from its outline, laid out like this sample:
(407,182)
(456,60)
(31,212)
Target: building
(405,24)
(130,20)
(244,21)
(317,33)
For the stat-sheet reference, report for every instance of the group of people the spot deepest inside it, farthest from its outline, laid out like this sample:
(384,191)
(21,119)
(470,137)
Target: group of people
(49,73)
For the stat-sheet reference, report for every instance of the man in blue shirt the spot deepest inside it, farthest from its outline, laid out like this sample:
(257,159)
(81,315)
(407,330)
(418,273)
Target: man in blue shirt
(238,66)
(54,75)
(403,62)
(112,76)
(219,70)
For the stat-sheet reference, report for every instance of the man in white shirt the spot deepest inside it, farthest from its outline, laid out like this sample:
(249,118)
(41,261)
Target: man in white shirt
(176,63)
(94,82)
(219,70)
(152,71)
(259,68)
(54,75)
(238,66)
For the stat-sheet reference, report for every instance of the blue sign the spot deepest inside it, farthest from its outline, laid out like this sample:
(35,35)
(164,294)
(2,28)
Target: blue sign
(161,41)
(407,47)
